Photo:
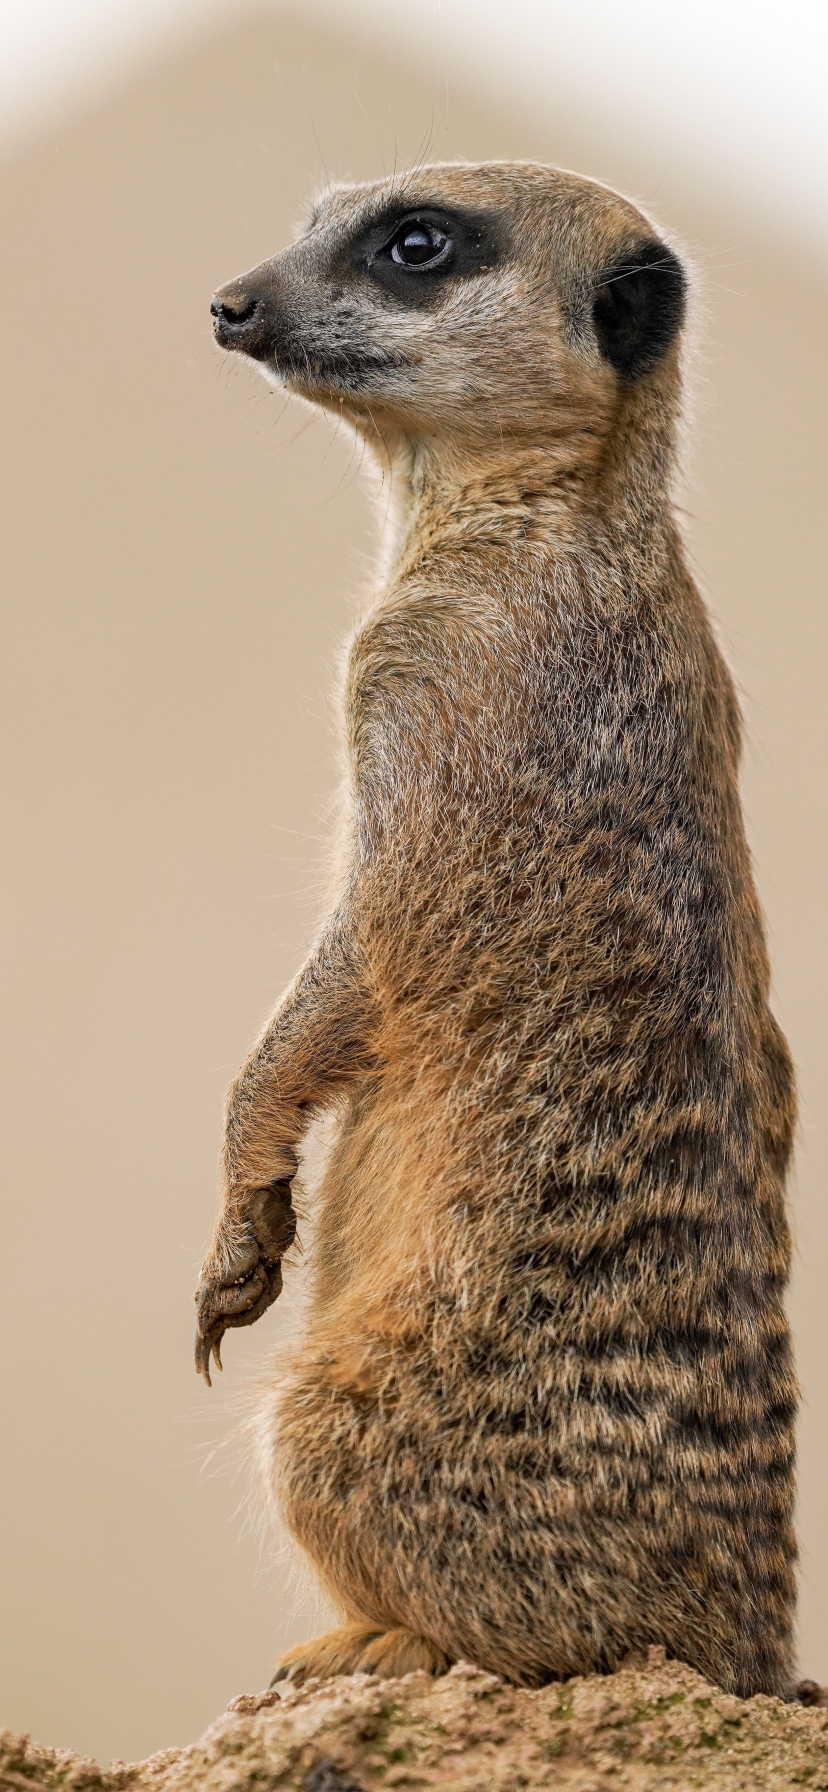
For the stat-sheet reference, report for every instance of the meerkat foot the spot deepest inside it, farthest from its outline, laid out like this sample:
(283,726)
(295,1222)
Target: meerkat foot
(360,1649)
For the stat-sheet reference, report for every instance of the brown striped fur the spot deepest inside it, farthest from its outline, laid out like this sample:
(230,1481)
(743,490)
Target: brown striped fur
(543,1412)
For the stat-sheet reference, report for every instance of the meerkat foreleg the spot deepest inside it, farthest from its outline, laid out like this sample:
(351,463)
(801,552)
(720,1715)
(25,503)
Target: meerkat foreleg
(315,1042)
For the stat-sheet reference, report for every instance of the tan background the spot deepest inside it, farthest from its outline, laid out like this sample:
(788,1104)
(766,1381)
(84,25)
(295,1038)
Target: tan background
(179,551)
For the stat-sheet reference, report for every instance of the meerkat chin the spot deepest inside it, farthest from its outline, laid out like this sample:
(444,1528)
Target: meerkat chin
(543,1412)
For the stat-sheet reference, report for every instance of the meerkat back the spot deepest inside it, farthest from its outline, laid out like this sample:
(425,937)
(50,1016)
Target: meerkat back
(543,1411)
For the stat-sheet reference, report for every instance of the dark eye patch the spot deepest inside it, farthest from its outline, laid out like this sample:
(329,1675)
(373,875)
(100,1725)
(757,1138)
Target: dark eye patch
(638,307)
(411,253)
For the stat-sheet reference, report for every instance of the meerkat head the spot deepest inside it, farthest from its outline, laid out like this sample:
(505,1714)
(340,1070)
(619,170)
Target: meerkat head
(503,301)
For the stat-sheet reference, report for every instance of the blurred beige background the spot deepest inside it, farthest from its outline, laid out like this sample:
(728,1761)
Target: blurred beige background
(180,553)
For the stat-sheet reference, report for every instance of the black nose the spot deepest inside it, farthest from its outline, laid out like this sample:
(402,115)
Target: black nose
(238,321)
(233,316)
(240,313)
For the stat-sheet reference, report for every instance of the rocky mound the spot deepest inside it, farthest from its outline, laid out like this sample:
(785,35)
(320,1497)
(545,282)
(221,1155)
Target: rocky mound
(654,1725)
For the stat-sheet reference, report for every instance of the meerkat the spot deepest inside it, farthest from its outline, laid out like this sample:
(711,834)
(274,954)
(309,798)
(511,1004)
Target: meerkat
(543,1412)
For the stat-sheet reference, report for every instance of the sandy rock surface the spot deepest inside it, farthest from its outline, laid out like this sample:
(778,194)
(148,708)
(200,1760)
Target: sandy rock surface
(646,1727)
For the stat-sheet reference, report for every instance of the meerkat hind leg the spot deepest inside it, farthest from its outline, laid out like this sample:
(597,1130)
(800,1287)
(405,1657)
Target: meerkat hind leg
(360,1649)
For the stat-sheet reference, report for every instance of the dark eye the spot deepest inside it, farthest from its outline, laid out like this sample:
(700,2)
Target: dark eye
(420,246)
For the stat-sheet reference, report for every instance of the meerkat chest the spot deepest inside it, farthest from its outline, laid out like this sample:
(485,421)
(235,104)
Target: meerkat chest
(444,702)
(501,705)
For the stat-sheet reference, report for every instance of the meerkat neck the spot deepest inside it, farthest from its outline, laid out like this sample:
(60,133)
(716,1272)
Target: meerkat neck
(556,498)
(443,502)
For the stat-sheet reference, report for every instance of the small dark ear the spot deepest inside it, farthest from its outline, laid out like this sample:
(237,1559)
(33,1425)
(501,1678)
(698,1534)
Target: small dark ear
(638,307)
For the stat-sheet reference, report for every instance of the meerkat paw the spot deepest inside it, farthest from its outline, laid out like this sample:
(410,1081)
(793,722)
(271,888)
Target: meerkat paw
(242,1275)
(360,1649)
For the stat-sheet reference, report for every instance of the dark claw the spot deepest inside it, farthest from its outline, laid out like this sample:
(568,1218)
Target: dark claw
(202,1360)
